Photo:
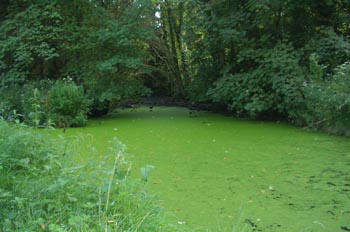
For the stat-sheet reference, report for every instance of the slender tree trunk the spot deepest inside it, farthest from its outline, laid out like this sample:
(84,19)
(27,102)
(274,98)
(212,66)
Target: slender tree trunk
(279,23)
(173,51)
(182,55)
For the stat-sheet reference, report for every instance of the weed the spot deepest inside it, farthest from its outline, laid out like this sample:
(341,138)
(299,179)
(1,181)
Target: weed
(39,191)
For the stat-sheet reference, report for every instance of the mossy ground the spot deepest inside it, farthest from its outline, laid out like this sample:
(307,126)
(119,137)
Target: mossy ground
(216,173)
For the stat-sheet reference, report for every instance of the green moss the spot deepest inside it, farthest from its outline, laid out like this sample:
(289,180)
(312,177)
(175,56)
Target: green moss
(216,173)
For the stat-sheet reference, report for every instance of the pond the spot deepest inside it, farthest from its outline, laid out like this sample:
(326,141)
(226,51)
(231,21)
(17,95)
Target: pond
(217,173)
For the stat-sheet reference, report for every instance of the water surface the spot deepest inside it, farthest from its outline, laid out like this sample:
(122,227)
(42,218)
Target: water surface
(217,173)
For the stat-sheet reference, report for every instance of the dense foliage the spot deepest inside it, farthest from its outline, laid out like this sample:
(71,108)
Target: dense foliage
(67,104)
(40,191)
(328,101)
(101,51)
(45,104)
(256,58)
(275,59)
(274,85)
(62,60)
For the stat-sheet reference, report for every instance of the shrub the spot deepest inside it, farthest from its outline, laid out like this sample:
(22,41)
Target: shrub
(10,104)
(68,105)
(331,48)
(24,157)
(43,104)
(328,102)
(105,93)
(273,86)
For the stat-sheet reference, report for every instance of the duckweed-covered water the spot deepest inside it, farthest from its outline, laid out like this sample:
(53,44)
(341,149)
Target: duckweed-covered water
(216,173)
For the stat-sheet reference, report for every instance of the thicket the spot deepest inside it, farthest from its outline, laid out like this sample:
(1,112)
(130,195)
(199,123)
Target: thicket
(68,106)
(45,104)
(41,190)
(267,59)
(327,101)
(256,58)
(99,51)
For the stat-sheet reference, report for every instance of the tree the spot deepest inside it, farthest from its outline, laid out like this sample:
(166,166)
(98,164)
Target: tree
(102,48)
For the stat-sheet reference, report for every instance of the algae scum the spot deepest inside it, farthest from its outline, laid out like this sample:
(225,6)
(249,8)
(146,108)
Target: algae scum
(216,173)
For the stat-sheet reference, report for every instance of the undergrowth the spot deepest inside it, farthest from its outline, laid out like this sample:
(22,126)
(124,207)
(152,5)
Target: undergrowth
(40,192)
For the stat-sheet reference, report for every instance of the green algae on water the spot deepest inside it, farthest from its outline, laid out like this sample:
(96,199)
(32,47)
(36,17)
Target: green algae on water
(217,173)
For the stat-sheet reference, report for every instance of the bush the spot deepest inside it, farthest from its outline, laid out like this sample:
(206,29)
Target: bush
(43,104)
(105,93)
(40,192)
(24,157)
(331,48)
(273,86)
(68,105)
(328,102)
(10,104)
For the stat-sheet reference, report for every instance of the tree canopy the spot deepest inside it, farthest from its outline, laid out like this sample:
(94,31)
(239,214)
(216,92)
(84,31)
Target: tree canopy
(270,58)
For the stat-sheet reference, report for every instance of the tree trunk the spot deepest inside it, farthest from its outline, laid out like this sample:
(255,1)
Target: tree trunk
(171,34)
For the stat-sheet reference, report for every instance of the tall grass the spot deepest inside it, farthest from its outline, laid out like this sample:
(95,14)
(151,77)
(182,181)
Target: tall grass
(40,192)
